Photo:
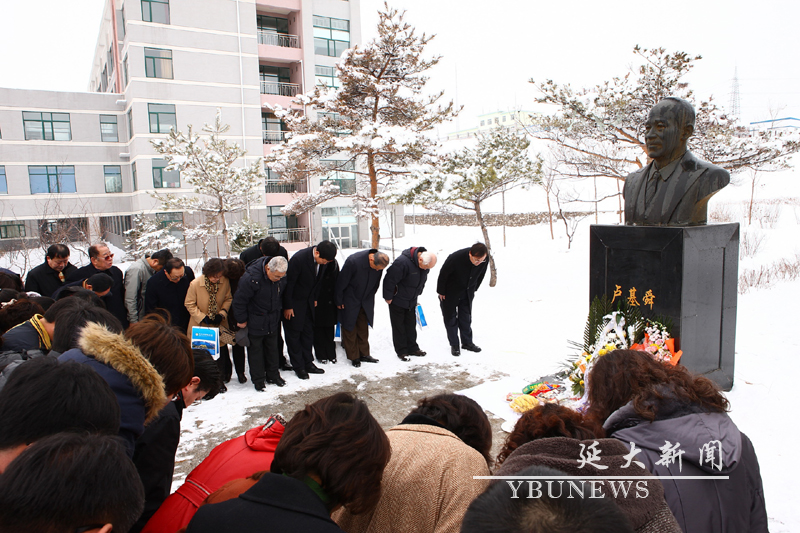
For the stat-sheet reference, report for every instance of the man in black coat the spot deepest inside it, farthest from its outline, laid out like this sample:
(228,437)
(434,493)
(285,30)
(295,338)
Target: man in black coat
(51,275)
(355,297)
(303,281)
(257,306)
(167,290)
(403,284)
(266,247)
(461,275)
(102,260)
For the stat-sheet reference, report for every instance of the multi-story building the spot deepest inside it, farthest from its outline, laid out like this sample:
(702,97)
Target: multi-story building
(84,162)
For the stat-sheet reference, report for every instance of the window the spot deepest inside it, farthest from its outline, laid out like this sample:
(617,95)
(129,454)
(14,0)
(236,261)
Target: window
(155,11)
(46,126)
(326,76)
(125,72)
(172,222)
(339,215)
(117,224)
(113,178)
(104,80)
(162,118)
(12,231)
(331,36)
(133,177)
(120,24)
(158,63)
(165,179)
(3,181)
(130,124)
(275,80)
(272,128)
(51,179)
(272,24)
(342,174)
(277,220)
(108,129)
(483,122)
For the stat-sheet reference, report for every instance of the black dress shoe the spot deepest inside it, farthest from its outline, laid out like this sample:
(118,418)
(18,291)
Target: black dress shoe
(455,351)
(333,360)
(418,353)
(286,366)
(311,369)
(403,357)
(223,388)
(261,388)
(356,362)
(279,381)
(242,379)
(471,347)
(368,359)
(302,374)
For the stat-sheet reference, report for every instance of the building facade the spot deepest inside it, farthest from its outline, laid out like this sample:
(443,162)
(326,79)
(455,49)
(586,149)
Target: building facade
(83,163)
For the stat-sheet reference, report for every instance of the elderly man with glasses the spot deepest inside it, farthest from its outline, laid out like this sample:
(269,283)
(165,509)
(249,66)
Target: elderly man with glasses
(459,278)
(101,260)
(166,291)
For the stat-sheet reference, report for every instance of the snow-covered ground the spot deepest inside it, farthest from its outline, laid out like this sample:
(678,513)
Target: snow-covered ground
(540,302)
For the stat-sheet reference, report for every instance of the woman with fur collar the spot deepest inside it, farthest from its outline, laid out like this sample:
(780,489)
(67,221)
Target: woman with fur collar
(145,367)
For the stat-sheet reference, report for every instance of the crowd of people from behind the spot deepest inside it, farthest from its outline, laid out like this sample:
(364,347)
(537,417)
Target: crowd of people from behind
(90,410)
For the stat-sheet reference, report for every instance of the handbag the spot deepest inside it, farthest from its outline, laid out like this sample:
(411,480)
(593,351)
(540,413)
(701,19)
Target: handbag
(226,336)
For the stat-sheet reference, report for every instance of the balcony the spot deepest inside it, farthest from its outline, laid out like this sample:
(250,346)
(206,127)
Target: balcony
(289,235)
(284,40)
(285,187)
(279,88)
(347,186)
(274,137)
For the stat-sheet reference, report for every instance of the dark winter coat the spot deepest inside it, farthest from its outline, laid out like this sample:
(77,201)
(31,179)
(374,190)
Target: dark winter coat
(302,286)
(136,383)
(276,504)
(254,252)
(644,507)
(45,280)
(459,275)
(233,459)
(258,299)
(732,505)
(161,293)
(154,458)
(326,313)
(115,300)
(355,289)
(26,336)
(404,279)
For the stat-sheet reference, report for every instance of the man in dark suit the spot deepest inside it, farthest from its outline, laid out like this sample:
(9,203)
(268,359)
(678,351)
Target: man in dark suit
(266,247)
(675,187)
(461,275)
(303,280)
(166,289)
(355,297)
(102,260)
(51,275)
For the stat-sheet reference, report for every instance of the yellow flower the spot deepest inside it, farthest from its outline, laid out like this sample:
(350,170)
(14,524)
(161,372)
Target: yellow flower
(602,351)
(581,382)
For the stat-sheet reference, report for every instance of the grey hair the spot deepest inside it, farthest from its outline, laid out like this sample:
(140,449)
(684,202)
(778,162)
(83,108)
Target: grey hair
(428,259)
(380,259)
(278,264)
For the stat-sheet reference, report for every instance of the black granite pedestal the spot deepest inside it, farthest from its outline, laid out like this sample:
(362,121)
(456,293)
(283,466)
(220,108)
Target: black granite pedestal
(688,274)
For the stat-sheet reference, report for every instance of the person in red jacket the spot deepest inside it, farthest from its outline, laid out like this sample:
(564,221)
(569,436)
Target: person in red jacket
(233,459)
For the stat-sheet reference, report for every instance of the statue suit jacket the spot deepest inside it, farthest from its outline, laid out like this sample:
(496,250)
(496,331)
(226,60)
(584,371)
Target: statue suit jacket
(681,200)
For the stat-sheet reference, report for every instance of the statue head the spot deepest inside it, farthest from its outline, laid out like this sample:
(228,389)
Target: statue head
(667,130)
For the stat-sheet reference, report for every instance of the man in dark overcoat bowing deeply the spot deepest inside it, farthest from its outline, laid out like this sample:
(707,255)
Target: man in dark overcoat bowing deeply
(303,280)
(460,277)
(355,297)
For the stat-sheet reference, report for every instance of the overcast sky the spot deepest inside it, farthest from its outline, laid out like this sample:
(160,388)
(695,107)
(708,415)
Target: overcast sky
(491,49)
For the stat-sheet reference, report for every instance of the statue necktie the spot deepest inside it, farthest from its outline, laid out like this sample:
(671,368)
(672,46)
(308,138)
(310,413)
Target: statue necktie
(652,185)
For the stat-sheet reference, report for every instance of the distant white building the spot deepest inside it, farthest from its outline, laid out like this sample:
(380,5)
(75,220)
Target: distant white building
(515,120)
(83,162)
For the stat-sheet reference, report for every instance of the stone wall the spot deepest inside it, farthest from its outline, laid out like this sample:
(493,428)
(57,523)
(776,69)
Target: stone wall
(491,219)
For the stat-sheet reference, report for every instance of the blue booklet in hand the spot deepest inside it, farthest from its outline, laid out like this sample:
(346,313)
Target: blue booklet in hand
(206,339)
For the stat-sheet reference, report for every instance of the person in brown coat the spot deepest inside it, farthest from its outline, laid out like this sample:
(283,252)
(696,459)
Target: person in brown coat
(428,483)
(208,301)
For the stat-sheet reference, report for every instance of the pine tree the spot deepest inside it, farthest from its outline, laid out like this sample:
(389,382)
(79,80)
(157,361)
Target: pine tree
(209,166)
(148,236)
(374,125)
(470,176)
(599,131)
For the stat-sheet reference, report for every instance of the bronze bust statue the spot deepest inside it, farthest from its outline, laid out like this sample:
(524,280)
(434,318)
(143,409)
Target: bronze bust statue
(675,187)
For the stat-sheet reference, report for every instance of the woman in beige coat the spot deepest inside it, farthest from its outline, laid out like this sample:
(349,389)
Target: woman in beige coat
(428,483)
(208,301)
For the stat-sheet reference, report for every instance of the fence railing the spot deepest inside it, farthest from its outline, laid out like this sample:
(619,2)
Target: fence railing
(274,137)
(279,88)
(278,39)
(284,186)
(289,235)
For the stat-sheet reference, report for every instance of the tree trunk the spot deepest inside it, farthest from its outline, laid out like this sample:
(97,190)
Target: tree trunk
(619,200)
(492,267)
(752,197)
(550,216)
(375,228)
